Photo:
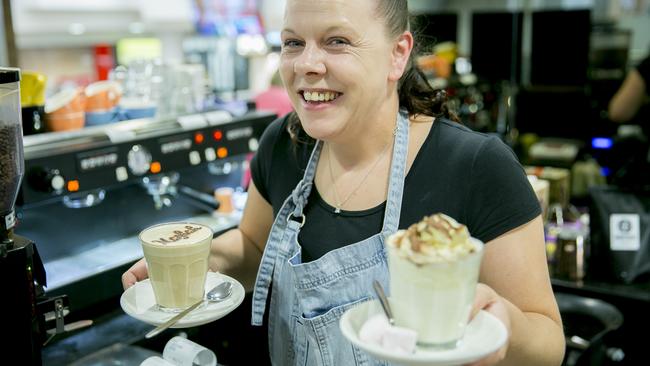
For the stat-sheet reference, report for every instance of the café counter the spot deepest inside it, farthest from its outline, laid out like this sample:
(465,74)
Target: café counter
(633,302)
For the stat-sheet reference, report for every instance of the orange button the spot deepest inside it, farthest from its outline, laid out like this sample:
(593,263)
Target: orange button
(155,167)
(198,138)
(73,185)
(222,152)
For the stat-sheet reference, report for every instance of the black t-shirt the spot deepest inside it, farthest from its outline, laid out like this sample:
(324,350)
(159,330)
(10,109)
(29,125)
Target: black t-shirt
(472,177)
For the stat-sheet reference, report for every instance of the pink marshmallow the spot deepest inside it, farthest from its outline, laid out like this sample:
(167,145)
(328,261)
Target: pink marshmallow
(377,330)
(373,329)
(399,339)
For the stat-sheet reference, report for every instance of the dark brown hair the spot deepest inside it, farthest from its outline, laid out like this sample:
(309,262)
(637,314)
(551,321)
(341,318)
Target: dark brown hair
(415,93)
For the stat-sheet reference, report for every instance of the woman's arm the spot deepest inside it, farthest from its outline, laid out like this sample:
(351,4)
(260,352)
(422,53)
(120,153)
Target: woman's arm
(628,99)
(236,252)
(516,288)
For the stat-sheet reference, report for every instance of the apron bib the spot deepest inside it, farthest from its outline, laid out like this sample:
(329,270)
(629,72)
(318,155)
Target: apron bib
(308,299)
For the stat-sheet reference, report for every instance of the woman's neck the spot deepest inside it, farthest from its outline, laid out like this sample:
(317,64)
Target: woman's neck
(366,139)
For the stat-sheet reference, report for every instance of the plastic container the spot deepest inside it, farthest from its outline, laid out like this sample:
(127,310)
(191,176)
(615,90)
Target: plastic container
(12,164)
(65,110)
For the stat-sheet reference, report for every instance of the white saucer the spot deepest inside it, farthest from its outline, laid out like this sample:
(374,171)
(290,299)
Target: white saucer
(139,302)
(483,335)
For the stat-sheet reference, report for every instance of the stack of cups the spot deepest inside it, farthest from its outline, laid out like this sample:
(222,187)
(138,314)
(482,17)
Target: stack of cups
(64,110)
(102,98)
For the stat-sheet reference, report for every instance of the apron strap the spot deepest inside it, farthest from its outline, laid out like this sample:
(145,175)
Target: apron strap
(281,233)
(286,224)
(303,189)
(397,174)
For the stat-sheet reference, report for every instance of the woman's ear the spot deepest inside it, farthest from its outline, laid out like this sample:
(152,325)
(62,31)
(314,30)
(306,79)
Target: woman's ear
(400,56)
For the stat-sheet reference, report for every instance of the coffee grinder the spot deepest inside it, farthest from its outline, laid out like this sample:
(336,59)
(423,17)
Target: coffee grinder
(22,274)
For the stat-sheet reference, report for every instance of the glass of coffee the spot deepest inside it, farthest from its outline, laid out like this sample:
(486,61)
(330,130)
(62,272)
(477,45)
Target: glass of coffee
(177,259)
(434,268)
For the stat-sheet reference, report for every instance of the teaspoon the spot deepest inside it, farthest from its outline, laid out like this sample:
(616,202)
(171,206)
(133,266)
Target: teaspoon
(220,292)
(384,301)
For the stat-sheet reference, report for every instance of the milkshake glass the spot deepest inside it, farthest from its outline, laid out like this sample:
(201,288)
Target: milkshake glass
(177,259)
(433,281)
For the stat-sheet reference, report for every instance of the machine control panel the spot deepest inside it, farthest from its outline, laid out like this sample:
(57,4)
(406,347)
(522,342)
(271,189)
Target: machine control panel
(56,169)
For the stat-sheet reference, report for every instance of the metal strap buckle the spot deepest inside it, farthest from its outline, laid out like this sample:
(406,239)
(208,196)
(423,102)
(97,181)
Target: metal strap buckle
(296,219)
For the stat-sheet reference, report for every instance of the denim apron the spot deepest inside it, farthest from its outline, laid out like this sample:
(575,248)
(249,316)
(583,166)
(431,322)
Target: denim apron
(308,299)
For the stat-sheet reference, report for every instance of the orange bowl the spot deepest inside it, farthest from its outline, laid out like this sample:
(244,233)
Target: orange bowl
(65,122)
(65,102)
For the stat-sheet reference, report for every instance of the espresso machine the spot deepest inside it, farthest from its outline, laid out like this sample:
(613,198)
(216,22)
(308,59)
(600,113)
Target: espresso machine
(21,268)
(86,195)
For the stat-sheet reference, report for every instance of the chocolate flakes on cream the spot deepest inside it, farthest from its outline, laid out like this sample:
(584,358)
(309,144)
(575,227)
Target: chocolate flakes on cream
(436,238)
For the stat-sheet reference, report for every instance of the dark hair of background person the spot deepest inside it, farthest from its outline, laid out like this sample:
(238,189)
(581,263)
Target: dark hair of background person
(415,93)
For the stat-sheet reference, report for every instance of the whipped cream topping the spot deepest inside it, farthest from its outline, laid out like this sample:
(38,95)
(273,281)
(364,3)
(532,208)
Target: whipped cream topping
(436,238)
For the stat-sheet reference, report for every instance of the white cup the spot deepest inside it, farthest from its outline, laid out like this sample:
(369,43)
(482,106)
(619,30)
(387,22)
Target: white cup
(183,352)
(177,259)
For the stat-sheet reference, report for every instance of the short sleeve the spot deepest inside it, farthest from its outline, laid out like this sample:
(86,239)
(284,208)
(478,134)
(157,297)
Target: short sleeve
(260,165)
(501,197)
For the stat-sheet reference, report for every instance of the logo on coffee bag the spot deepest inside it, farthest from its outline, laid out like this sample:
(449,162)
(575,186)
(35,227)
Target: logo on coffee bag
(178,235)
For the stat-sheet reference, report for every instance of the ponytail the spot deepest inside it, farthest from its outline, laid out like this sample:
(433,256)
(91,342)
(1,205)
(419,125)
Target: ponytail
(418,97)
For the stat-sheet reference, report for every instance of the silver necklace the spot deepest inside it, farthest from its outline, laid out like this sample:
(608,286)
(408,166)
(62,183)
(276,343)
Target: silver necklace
(339,204)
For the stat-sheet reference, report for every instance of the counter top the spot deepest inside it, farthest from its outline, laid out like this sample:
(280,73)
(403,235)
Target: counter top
(635,291)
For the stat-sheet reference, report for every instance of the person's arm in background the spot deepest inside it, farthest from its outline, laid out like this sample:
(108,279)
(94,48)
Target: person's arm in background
(630,96)
(237,252)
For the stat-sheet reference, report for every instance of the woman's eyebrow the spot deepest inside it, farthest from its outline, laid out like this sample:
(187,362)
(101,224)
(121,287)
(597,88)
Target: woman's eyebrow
(334,28)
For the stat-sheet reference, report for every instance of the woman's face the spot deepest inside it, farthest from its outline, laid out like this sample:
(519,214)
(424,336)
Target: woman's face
(336,63)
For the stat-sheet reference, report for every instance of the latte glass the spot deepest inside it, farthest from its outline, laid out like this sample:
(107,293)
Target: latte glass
(434,299)
(177,259)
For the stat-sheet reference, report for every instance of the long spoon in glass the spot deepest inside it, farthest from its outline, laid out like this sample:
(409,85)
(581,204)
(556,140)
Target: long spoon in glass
(384,301)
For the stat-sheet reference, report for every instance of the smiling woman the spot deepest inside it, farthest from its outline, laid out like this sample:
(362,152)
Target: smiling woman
(334,50)
(369,150)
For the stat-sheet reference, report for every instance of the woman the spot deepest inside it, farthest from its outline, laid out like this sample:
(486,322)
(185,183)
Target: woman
(347,68)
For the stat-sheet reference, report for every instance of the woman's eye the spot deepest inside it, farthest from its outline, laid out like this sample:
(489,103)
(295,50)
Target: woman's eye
(338,42)
(291,43)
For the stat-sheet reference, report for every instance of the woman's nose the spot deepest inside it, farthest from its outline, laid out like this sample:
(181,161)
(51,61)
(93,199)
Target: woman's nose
(310,61)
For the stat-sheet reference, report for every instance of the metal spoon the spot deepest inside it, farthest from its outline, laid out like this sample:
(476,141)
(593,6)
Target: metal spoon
(219,293)
(384,301)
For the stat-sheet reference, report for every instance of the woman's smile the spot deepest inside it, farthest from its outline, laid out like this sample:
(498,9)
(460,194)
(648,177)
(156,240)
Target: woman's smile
(318,99)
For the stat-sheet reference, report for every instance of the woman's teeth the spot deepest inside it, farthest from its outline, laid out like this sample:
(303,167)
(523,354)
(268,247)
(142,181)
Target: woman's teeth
(320,97)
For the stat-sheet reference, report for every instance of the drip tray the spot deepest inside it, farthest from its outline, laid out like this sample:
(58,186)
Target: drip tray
(106,256)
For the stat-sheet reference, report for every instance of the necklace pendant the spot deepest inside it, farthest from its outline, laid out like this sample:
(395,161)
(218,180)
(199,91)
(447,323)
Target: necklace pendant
(337,210)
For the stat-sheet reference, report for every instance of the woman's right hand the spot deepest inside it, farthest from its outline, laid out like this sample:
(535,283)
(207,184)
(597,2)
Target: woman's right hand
(137,272)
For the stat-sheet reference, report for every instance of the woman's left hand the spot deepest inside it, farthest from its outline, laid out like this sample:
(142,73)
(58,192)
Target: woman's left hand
(487,299)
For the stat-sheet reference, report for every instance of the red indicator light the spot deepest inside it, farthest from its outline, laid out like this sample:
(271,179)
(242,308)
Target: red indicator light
(198,138)
(218,135)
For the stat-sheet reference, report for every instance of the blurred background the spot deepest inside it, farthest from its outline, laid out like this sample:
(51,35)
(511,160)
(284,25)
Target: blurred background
(139,111)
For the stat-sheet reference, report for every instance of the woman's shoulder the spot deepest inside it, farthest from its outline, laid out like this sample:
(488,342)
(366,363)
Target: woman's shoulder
(277,128)
(454,137)
(277,144)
